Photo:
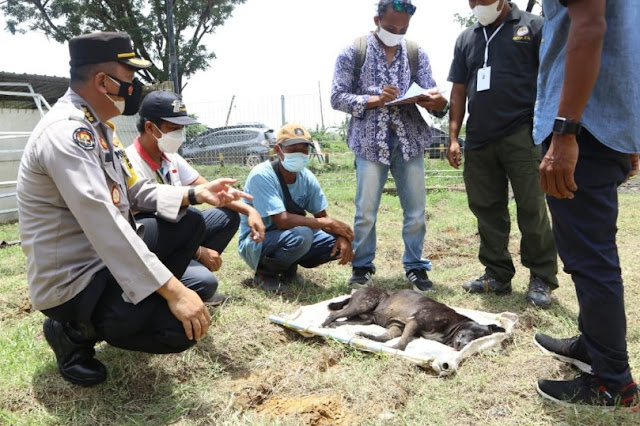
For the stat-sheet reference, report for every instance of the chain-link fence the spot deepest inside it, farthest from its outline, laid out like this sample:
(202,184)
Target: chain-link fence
(251,137)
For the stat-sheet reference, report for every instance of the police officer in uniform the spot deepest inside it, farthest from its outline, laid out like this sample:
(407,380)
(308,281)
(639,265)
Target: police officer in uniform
(89,271)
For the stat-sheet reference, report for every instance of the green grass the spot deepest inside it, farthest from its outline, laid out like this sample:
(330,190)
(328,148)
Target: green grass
(249,371)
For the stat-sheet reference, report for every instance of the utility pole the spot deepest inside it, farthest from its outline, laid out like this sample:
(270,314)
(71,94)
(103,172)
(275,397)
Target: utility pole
(226,123)
(173,60)
(284,121)
(320,97)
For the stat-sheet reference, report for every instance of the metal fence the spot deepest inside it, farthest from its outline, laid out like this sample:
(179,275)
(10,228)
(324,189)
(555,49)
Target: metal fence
(241,130)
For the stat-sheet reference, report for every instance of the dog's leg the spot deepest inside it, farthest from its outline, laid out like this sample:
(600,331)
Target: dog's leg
(352,321)
(336,306)
(359,304)
(410,329)
(391,333)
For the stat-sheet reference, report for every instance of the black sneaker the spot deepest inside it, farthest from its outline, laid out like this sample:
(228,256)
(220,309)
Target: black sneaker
(290,276)
(360,277)
(587,389)
(420,280)
(270,283)
(569,350)
(539,293)
(486,284)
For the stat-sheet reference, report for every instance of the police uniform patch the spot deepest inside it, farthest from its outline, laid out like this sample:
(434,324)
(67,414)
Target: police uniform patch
(84,138)
(103,144)
(115,195)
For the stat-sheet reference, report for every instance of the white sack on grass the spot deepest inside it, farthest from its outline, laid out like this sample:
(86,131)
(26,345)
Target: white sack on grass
(423,352)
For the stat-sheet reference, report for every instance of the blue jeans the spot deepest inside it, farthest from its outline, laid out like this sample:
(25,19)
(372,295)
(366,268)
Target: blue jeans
(409,178)
(300,245)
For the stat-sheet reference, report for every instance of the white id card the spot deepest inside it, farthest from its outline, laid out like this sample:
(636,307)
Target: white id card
(484,79)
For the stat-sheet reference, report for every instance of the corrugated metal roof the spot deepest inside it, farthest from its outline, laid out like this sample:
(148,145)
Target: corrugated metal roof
(51,88)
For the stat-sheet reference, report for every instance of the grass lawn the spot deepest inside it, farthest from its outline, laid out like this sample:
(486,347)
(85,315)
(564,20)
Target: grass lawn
(249,371)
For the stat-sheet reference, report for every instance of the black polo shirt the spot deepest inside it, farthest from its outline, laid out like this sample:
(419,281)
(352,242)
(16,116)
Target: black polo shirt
(513,58)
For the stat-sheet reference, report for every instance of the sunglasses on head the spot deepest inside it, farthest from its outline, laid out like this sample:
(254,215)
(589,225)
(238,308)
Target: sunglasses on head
(399,6)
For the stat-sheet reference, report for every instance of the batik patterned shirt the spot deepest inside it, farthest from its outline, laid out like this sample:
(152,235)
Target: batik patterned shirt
(369,130)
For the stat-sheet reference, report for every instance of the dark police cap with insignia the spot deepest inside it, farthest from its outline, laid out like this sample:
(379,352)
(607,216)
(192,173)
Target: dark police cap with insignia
(104,47)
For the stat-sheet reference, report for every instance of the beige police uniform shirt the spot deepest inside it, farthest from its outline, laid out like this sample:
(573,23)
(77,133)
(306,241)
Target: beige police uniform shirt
(75,191)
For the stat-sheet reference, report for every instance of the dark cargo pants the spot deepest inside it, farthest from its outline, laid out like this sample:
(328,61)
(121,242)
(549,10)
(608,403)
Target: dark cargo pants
(487,173)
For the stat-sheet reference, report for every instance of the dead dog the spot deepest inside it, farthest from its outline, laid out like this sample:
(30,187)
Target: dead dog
(406,313)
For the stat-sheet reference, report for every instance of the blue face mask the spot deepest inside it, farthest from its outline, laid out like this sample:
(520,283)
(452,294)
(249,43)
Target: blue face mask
(295,161)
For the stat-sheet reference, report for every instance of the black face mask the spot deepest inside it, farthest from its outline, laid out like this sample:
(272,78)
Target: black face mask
(132,94)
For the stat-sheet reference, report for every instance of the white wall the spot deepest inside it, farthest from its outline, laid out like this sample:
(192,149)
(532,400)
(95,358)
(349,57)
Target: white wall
(12,120)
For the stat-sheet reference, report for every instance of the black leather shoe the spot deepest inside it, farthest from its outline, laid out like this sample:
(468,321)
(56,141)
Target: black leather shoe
(75,358)
(539,293)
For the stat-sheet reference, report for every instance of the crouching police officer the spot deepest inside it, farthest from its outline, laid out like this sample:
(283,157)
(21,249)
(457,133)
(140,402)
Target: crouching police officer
(88,270)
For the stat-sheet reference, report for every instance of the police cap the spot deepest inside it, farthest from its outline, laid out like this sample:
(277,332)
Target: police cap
(104,47)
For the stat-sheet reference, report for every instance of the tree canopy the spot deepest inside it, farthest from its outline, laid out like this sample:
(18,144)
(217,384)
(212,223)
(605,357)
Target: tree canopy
(144,20)
(465,21)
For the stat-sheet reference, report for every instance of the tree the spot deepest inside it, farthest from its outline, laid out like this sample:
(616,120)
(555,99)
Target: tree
(194,130)
(465,21)
(143,20)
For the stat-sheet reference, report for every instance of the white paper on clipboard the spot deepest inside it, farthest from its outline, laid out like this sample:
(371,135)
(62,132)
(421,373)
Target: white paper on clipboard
(414,91)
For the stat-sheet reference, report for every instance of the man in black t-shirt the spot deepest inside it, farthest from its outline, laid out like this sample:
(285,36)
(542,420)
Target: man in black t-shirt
(495,66)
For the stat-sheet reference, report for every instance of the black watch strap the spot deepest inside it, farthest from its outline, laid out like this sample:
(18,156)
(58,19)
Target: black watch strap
(191,194)
(564,126)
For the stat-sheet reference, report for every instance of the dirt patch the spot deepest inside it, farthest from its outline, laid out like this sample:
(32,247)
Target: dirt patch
(15,309)
(263,394)
(311,409)
(254,390)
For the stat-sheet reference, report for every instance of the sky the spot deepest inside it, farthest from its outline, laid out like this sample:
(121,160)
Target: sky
(270,48)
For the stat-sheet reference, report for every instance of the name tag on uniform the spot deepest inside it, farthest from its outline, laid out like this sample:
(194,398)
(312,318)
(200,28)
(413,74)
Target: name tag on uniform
(484,79)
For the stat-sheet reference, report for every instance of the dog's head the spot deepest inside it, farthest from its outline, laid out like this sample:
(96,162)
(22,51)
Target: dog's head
(471,330)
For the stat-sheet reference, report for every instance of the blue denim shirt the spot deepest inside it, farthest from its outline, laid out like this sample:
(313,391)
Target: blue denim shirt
(369,132)
(612,114)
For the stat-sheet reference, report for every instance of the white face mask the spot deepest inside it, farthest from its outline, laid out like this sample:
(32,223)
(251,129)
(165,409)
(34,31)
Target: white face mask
(117,104)
(487,15)
(389,39)
(170,142)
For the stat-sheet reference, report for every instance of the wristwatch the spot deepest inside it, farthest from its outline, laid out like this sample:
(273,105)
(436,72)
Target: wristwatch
(564,126)
(191,194)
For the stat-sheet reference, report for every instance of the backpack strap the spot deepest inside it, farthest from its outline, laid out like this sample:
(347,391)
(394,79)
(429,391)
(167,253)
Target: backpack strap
(412,54)
(361,54)
(290,205)
(359,57)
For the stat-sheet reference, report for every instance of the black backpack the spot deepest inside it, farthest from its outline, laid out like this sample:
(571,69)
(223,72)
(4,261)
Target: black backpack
(361,54)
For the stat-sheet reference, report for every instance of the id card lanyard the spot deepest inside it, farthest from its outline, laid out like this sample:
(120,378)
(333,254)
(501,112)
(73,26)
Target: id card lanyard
(484,73)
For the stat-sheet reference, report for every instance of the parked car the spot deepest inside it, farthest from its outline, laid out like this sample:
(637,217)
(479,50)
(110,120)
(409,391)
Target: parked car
(440,144)
(240,144)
